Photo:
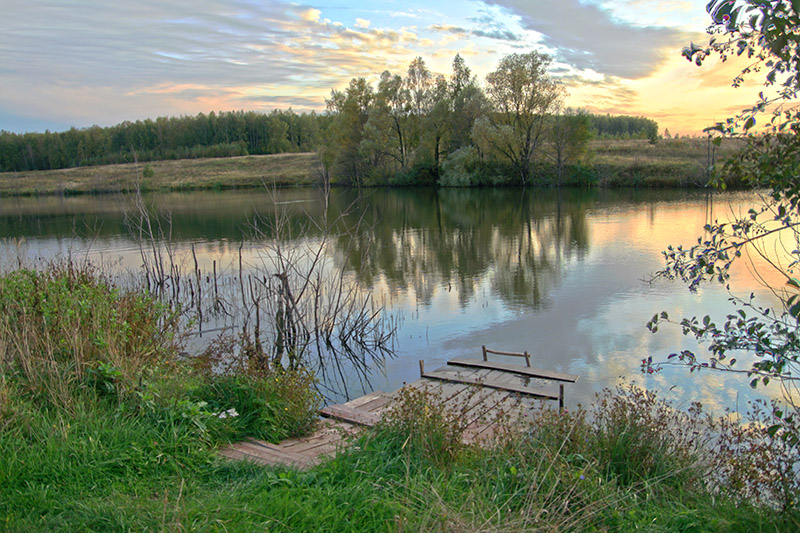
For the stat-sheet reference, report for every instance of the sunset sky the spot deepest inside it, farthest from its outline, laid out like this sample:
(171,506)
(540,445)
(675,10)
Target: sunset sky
(76,63)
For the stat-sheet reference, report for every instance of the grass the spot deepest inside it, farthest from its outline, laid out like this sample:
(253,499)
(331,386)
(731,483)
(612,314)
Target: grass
(185,174)
(668,163)
(120,435)
(611,163)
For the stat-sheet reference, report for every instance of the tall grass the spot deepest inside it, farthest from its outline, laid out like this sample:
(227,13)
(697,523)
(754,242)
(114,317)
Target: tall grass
(102,424)
(119,435)
(67,328)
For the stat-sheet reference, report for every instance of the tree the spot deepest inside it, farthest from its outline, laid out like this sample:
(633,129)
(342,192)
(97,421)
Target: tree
(351,110)
(396,98)
(469,103)
(523,95)
(569,136)
(766,33)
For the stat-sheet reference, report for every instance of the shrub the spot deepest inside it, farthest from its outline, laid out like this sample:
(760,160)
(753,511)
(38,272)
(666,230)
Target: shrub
(759,461)
(460,168)
(639,438)
(68,328)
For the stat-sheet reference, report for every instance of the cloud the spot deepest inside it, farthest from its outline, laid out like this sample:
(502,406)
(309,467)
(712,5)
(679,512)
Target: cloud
(500,34)
(93,61)
(310,15)
(587,36)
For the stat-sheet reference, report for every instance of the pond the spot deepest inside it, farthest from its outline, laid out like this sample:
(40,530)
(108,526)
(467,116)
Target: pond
(563,274)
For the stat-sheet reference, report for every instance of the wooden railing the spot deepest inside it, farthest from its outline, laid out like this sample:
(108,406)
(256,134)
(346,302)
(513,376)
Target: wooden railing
(525,354)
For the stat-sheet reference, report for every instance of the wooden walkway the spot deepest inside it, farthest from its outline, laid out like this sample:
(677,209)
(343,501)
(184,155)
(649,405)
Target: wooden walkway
(477,391)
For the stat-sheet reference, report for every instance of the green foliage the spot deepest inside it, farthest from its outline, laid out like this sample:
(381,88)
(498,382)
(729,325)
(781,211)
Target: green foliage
(110,432)
(269,405)
(419,425)
(226,134)
(68,327)
(624,127)
(423,129)
(524,95)
(148,465)
(760,462)
(461,168)
(104,378)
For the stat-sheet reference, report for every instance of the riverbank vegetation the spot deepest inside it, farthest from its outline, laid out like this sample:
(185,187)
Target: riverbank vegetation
(104,426)
(756,341)
(608,163)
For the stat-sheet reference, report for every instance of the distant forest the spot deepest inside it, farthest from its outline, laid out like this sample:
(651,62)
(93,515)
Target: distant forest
(412,129)
(225,134)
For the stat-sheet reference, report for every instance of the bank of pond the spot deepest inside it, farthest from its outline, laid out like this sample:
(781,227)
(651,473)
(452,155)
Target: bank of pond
(671,163)
(105,426)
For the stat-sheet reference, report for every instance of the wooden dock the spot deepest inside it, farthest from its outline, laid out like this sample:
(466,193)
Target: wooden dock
(477,391)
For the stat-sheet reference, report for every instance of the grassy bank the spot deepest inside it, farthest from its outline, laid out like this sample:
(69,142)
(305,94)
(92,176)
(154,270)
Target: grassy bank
(185,174)
(615,163)
(668,163)
(104,428)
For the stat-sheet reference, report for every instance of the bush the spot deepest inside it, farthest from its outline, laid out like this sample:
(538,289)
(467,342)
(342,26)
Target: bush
(460,168)
(759,461)
(68,329)
(421,427)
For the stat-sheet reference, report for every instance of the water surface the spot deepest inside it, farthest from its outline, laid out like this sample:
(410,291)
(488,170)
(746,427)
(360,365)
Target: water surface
(562,274)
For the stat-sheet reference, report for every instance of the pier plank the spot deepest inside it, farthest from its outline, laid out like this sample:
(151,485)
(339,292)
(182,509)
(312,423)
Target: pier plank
(530,391)
(515,369)
(358,402)
(354,416)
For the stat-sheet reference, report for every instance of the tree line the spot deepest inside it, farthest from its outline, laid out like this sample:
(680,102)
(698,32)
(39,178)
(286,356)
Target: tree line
(423,128)
(223,134)
(416,128)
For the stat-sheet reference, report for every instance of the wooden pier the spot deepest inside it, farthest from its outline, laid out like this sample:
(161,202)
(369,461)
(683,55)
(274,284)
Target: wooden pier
(478,391)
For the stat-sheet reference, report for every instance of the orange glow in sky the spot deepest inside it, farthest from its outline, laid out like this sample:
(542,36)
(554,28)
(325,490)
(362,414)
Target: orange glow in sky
(68,64)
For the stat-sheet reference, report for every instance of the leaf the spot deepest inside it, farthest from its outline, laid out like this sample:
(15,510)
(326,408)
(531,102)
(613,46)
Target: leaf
(772,430)
(794,282)
(749,123)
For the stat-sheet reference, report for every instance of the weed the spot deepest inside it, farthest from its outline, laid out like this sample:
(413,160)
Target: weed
(759,461)
(68,326)
(423,428)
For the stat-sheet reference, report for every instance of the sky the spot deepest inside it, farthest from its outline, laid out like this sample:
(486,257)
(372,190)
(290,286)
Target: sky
(66,63)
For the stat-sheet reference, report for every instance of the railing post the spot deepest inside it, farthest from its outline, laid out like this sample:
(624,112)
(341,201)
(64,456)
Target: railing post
(527,359)
(484,353)
(560,396)
(421,367)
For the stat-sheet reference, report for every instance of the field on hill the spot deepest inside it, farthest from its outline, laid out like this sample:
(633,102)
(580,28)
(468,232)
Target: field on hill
(610,163)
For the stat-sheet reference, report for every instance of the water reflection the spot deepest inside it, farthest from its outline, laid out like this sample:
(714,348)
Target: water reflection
(421,240)
(557,273)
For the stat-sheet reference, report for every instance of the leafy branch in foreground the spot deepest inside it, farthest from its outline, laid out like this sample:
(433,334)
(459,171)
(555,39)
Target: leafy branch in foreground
(768,338)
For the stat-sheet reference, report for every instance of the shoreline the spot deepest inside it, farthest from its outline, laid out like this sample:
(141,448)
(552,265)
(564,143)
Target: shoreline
(612,164)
